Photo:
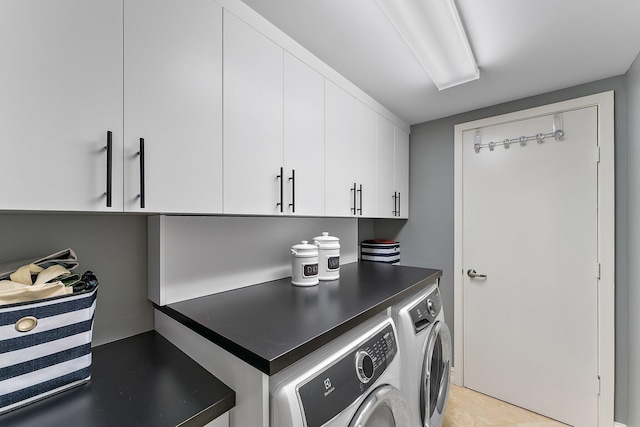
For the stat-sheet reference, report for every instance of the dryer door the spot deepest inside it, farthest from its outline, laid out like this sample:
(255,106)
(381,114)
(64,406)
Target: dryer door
(434,389)
(384,406)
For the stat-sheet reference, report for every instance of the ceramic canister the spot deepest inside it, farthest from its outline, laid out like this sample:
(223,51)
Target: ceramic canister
(328,256)
(304,264)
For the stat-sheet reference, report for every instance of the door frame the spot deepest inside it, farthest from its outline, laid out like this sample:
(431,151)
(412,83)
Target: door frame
(606,239)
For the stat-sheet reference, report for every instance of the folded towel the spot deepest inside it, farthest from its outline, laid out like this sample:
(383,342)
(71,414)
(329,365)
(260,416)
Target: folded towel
(24,273)
(46,285)
(9,295)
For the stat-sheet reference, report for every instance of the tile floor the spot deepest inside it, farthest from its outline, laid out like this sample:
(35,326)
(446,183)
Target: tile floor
(467,408)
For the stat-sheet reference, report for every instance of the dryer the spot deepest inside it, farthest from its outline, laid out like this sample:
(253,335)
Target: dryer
(425,350)
(352,381)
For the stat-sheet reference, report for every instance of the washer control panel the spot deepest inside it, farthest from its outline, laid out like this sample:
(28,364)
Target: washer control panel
(328,393)
(426,310)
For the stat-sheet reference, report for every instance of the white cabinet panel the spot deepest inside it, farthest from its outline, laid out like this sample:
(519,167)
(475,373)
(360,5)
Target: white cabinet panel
(303,138)
(253,120)
(402,171)
(365,159)
(61,86)
(339,152)
(173,100)
(386,169)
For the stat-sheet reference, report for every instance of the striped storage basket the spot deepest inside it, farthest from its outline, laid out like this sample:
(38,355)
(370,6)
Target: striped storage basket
(380,250)
(45,347)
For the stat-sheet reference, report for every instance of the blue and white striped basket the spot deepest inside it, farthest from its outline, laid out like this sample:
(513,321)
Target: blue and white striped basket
(380,251)
(45,347)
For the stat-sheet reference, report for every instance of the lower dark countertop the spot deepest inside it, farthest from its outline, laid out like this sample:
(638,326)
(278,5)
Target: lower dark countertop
(143,380)
(274,324)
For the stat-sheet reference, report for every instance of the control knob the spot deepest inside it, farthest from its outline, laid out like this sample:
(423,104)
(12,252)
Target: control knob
(364,366)
(432,308)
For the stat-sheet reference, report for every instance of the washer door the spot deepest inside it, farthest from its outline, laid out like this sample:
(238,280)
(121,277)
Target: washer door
(434,389)
(384,407)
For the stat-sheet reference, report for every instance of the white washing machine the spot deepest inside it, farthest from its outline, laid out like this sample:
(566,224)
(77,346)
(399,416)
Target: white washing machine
(352,381)
(425,350)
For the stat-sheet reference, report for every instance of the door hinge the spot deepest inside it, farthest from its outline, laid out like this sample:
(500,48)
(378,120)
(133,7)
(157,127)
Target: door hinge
(598,154)
(598,270)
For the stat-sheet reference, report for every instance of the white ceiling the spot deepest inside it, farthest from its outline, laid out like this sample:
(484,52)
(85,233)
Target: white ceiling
(523,48)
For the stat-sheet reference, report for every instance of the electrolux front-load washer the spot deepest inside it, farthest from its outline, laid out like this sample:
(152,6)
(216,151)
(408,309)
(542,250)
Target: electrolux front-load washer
(351,381)
(425,349)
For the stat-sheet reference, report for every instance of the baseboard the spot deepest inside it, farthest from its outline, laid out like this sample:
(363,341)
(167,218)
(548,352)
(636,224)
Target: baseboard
(456,381)
(619,425)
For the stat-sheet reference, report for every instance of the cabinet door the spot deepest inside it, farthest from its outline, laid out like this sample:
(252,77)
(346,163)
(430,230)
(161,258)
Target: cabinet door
(339,152)
(365,159)
(61,92)
(303,138)
(173,100)
(386,169)
(402,171)
(253,116)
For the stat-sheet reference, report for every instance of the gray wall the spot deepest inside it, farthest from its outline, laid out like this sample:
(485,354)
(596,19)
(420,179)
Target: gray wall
(427,237)
(114,247)
(633,158)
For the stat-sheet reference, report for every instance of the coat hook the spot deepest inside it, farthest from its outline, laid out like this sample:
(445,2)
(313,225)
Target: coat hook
(558,133)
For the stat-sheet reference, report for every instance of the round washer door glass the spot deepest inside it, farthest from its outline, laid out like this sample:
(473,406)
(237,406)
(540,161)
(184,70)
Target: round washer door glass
(384,407)
(434,389)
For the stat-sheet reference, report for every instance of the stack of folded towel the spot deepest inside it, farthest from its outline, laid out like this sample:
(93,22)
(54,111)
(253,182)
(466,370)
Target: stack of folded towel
(41,278)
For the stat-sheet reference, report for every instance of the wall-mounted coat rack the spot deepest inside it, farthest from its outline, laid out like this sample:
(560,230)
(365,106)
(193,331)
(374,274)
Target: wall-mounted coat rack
(557,133)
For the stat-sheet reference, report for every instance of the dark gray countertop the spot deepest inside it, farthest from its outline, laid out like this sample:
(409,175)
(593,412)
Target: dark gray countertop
(274,324)
(139,381)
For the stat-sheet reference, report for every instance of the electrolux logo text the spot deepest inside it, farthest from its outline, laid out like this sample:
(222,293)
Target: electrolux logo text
(328,387)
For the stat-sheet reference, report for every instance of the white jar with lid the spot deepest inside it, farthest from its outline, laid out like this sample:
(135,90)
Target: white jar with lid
(304,264)
(328,256)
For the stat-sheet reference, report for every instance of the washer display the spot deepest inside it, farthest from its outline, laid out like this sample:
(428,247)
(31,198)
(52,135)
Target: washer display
(352,381)
(425,348)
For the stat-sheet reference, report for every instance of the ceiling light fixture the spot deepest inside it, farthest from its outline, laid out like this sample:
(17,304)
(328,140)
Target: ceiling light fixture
(434,32)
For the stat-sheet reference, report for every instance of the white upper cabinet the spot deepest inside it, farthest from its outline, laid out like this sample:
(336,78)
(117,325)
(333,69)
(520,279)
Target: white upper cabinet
(365,159)
(402,172)
(184,107)
(393,171)
(385,166)
(303,139)
(60,94)
(339,152)
(173,102)
(253,117)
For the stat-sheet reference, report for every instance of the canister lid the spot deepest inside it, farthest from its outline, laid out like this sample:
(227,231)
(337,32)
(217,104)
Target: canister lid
(326,241)
(304,249)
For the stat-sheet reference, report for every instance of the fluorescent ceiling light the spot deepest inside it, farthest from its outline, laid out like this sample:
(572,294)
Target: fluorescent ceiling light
(434,32)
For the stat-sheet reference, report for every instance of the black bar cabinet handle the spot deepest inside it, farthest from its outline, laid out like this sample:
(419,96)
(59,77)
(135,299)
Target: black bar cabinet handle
(354,198)
(280,177)
(360,208)
(395,203)
(109,167)
(141,154)
(292,178)
(398,203)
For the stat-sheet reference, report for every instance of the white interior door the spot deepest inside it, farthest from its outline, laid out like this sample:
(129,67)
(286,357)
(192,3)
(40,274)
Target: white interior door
(530,223)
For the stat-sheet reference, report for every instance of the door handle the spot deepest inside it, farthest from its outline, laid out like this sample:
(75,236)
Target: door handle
(109,149)
(354,198)
(473,274)
(281,178)
(140,153)
(292,178)
(395,203)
